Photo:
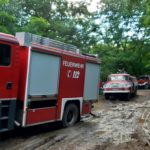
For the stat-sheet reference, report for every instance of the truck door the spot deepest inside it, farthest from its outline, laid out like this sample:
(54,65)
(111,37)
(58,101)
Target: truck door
(5,71)
(9,67)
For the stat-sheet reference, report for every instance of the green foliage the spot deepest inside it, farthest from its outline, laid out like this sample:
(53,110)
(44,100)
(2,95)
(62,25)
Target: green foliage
(38,26)
(113,60)
(146,16)
(4,2)
(121,36)
(125,37)
(6,22)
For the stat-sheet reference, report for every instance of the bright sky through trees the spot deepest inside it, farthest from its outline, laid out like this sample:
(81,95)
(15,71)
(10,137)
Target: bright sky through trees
(92,4)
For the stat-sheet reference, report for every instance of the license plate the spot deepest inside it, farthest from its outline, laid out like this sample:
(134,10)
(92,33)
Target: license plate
(115,89)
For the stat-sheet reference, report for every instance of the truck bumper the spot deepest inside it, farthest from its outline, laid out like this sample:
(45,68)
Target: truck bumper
(127,91)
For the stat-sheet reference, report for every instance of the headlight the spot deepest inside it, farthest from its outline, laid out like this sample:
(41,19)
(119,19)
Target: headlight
(127,85)
(106,86)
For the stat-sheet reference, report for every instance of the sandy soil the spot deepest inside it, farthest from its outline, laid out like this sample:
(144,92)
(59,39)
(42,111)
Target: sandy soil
(116,125)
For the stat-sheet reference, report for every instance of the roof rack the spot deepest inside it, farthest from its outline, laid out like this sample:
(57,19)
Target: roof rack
(26,39)
(91,55)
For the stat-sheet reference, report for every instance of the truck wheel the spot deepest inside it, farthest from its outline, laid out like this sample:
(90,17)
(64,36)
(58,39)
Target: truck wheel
(146,86)
(70,116)
(128,96)
(134,93)
(106,96)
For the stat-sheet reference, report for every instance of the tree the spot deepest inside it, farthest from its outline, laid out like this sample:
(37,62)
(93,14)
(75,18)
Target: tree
(125,35)
(37,26)
(119,30)
(67,22)
(7,20)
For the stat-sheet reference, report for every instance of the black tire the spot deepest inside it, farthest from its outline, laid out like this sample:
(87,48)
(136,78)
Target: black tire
(146,86)
(128,96)
(107,96)
(71,115)
(134,93)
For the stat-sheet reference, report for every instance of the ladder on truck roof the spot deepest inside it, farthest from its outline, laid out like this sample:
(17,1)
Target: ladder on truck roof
(26,39)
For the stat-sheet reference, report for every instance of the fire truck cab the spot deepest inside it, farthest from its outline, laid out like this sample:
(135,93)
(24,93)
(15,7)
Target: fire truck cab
(43,80)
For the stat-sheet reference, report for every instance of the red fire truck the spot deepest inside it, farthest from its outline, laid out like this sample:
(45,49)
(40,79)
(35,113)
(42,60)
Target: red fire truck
(43,80)
(120,86)
(144,82)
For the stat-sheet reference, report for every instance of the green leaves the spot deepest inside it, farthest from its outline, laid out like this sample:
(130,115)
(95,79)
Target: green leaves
(118,31)
(38,26)
(6,22)
(126,36)
(3,2)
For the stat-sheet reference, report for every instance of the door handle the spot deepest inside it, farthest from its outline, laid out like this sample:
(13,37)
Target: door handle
(9,85)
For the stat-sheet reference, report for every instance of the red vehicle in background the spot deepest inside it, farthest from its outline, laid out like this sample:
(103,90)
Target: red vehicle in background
(144,82)
(120,86)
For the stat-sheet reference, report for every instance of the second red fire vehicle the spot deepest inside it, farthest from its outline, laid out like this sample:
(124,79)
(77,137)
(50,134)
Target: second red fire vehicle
(120,86)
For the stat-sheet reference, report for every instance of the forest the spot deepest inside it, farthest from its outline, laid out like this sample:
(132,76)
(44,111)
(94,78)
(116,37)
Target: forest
(117,30)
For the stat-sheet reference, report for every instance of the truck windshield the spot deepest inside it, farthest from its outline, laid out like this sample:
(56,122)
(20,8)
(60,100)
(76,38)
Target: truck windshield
(5,54)
(118,77)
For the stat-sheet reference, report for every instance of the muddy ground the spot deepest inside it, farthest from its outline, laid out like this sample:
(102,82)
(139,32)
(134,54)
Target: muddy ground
(118,125)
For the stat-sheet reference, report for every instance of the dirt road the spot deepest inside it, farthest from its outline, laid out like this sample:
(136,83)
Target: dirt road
(118,125)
